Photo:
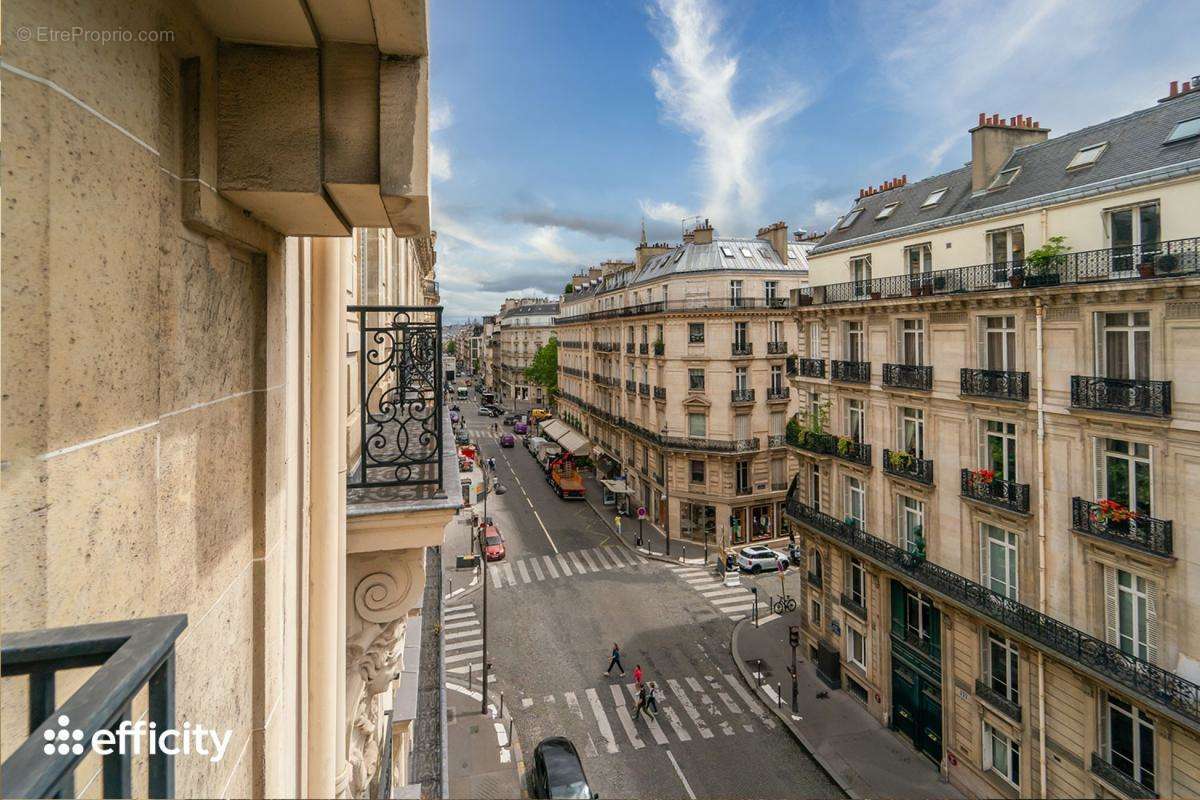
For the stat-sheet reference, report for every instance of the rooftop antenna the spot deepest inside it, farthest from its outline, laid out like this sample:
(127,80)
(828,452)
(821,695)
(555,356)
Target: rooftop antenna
(643,231)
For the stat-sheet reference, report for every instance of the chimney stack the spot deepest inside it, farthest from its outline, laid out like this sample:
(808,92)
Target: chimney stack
(703,233)
(994,139)
(776,234)
(1182,88)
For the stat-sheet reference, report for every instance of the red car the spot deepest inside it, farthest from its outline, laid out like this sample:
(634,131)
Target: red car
(507,440)
(493,543)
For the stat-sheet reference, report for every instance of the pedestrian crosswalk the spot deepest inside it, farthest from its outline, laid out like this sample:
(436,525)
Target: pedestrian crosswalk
(735,602)
(568,564)
(463,646)
(604,719)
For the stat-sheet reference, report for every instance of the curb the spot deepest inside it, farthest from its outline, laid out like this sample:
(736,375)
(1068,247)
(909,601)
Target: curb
(785,718)
(656,556)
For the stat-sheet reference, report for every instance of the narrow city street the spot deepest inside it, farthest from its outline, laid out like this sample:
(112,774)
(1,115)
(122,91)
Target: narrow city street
(566,591)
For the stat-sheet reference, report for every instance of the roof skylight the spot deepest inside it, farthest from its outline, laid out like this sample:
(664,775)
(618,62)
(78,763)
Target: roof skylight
(935,197)
(727,252)
(850,218)
(746,252)
(887,210)
(1184,130)
(1087,155)
(1005,178)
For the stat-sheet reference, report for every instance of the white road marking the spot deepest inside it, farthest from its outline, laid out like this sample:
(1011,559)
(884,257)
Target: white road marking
(524,571)
(622,709)
(750,702)
(539,519)
(464,645)
(730,602)
(602,560)
(767,618)
(687,787)
(579,567)
(452,609)
(451,626)
(616,555)
(562,562)
(587,556)
(460,616)
(526,702)
(689,709)
(508,573)
(606,732)
(732,591)
(537,569)
(457,657)
(553,570)
(651,723)
(709,705)
(495,573)
(459,635)
(676,724)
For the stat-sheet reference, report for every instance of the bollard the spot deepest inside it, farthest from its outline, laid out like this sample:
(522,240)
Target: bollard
(683,552)
(502,704)
(778,694)
(470,676)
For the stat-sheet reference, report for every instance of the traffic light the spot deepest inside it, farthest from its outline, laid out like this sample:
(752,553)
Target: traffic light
(794,635)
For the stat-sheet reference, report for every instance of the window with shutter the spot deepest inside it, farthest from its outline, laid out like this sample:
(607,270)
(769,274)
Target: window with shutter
(1153,628)
(1098,468)
(1110,604)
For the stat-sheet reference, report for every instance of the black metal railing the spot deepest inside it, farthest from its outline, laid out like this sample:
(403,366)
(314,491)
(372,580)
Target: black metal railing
(644,348)
(812,367)
(660,393)
(659,348)
(644,389)
(742,489)
(777,440)
(1169,259)
(578,373)
(814,578)
(778,393)
(998,384)
(827,444)
(630,386)
(1147,681)
(606,347)
(908,376)
(629,347)
(1145,398)
(853,606)
(741,348)
(399,396)
(712,445)
(998,701)
(1121,779)
(906,465)
(741,395)
(569,345)
(1132,530)
(850,371)
(129,656)
(777,348)
(995,491)
(698,304)
(790,366)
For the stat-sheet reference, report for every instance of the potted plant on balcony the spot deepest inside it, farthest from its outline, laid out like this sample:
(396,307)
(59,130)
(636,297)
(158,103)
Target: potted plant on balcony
(982,477)
(844,443)
(1110,512)
(1016,278)
(1044,265)
(901,460)
(1167,262)
(1146,268)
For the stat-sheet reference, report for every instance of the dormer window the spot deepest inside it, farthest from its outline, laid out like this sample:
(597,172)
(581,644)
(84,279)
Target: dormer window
(746,252)
(1184,130)
(727,252)
(678,254)
(1005,178)
(850,218)
(934,198)
(887,210)
(1087,156)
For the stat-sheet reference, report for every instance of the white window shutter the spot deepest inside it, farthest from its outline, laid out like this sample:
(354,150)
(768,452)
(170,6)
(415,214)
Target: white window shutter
(983,557)
(1153,628)
(981,434)
(1098,457)
(1110,606)
(981,343)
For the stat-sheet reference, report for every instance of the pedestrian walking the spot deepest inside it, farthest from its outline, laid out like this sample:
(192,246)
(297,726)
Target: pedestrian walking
(641,703)
(637,674)
(615,661)
(652,700)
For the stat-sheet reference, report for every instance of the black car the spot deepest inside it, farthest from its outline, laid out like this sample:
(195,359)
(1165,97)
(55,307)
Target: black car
(557,771)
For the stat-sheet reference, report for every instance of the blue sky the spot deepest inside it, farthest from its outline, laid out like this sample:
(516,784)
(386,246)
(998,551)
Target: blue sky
(559,124)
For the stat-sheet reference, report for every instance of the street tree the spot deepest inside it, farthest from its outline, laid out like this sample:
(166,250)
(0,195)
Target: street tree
(544,368)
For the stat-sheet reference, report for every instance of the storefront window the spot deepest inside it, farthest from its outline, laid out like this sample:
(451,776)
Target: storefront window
(762,523)
(697,521)
(737,526)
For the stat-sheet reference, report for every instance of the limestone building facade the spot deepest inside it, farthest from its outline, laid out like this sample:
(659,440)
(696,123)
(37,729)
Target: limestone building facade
(525,325)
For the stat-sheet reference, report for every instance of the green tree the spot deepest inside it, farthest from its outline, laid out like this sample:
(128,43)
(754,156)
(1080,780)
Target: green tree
(569,288)
(451,347)
(544,369)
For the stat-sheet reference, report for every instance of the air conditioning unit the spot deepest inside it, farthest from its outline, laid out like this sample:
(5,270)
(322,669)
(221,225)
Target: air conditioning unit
(829,665)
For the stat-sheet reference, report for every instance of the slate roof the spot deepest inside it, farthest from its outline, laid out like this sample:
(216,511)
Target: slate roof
(531,310)
(1135,151)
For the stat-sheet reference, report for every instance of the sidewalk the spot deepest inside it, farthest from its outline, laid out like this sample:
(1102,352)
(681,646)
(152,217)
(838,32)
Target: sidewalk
(683,551)
(862,756)
(482,762)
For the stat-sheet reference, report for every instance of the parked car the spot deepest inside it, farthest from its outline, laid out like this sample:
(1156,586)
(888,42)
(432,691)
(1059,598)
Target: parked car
(520,428)
(454,417)
(756,559)
(539,414)
(462,437)
(510,419)
(493,543)
(507,440)
(557,771)
(486,411)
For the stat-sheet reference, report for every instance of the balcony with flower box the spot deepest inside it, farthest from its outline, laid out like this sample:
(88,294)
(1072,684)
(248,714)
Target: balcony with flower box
(906,465)
(984,486)
(1113,522)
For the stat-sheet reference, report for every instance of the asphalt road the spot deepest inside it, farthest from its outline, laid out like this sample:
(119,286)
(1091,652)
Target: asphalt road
(565,593)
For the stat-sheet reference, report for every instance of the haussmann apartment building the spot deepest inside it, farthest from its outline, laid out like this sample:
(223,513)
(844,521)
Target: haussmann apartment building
(224,452)
(525,325)
(673,366)
(999,444)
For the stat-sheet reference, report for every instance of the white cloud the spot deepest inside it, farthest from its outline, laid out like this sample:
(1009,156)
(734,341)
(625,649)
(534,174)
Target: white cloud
(695,84)
(826,210)
(546,242)
(664,212)
(441,116)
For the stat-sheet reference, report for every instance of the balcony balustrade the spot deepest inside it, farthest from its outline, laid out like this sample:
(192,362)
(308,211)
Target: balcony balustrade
(790,367)
(743,490)
(998,492)
(994,383)
(827,444)
(812,368)
(740,349)
(659,348)
(998,701)
(1116,524)
(644,389)
(629,347)
(908,376)
(850,371)
(776,440)
(907,465)
(644,348)
(776,393)
(630,386)
(660,393)
(853,606)
(777,348)
(1143,398)
(741,396)
(1151,684)
(1121,779)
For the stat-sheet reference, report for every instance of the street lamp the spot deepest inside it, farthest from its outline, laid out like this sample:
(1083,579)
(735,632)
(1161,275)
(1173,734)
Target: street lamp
(666,489)
(487,489)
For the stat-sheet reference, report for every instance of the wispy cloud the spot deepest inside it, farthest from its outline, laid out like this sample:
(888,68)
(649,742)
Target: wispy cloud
(695,84)
(546,242)
(597,226)
(441,116)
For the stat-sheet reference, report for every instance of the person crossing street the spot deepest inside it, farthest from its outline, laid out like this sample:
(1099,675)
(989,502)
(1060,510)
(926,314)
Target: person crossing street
(642,699)
(615,661)
(637,675)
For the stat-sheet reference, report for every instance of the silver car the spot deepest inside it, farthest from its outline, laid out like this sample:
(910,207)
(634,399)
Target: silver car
(756,558)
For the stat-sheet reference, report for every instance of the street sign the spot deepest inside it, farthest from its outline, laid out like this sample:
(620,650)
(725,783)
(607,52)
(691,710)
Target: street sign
(641,512)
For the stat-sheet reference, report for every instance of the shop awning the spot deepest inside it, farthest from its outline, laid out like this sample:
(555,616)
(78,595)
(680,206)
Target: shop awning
(575,443)
(616,486)
(554,429)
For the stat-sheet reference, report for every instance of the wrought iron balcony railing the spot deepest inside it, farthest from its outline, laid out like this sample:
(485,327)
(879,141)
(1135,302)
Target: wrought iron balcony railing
(683,305)
(1152,684)
(850,371)
(644,348)
(777,348)
(790,366)
(777,440)
(742,348)
(741,396)
(908,376)
(399,397)
(712,445)
(1121,779)
(128,655)
(644,389)
(775,393)
(1145,398)
(743,490)
(606,347)
(998,701)
(630,386)
(578,373)
(1139,531)
(1171,259)
(660,348)
(629,347)
(826,444)
(853,606)
(994,383)
(906,465)
(812,368)
(996,491)
(660,393)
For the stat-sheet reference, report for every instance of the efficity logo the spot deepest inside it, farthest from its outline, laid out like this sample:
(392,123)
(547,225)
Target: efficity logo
(134,738)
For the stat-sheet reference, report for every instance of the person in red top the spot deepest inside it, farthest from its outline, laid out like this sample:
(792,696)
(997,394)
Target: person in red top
(637,674)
